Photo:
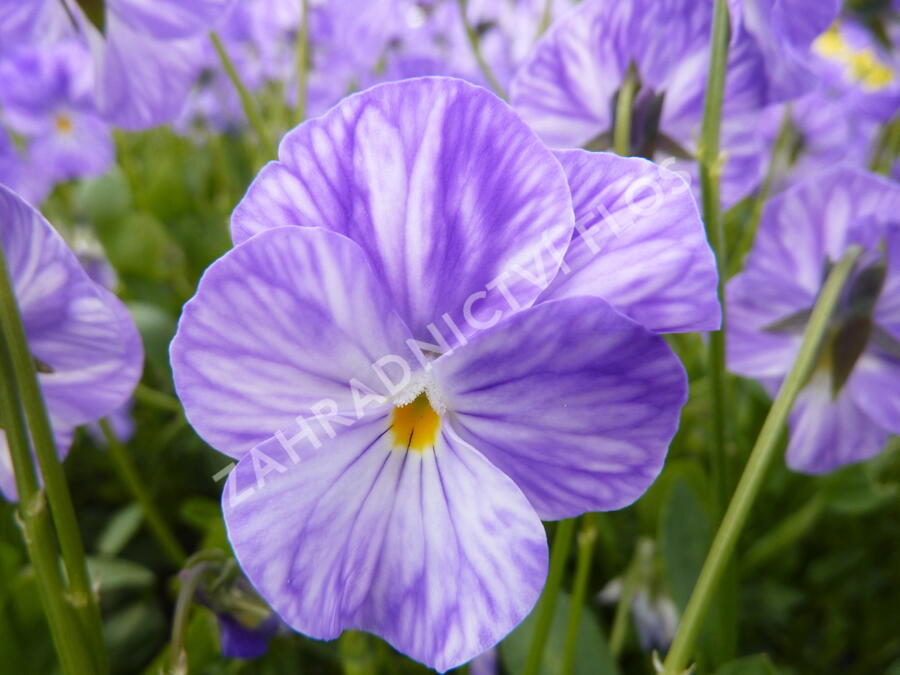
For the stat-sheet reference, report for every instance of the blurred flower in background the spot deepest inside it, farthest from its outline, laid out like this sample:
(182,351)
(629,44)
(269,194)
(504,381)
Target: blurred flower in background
(852,401)
(570,87)
(46,102)
(86,347)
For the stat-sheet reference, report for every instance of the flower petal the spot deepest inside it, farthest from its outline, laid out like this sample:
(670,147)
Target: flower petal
(278,325)
(141,81)
(640,245)
(7,475)
(439,182)
(801,230)
(573,401)
(81,332)
(828,433)
(887,309)
(436,551)
(169,19)
(875,388)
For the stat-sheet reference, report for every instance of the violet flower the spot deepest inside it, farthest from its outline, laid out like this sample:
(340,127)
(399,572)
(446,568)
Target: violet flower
(567,89)
(46,99)
(852,401)
(784,31)
(86,347)
(403,408)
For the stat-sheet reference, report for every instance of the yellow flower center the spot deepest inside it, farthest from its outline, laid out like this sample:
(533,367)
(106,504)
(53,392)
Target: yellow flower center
(415,425)
(63,124)
(861,65)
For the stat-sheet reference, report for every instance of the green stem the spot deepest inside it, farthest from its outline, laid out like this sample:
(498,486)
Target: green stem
(247,102)
(764,451)
(190,580)
(80,594)
(37,530)
(302,62)
(586,540)
(624,105)
(562,542)
(475,44)
(623,609)
(710,173)
(157,399)
(749,232)
(129,474)
(546,18)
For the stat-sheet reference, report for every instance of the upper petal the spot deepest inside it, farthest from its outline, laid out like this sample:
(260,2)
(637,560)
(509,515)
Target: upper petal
(439,182)
(436,551)
(640,244)
(573,401)
(279,325)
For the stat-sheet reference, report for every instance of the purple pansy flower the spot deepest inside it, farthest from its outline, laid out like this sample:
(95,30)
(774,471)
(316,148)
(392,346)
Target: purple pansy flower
(567,89)
(404,405)
(852,401)
(85,345)
(784,30)
(148,57)
(45,98)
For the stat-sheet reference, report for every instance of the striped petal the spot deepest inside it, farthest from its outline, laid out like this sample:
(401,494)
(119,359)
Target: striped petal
(640,244)
(448,192)
(435,550)
(279,328)
(573,401)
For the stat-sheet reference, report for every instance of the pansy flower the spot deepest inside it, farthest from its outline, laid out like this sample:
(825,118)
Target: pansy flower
(568,89)
(145,58)
(784,30)
(46,99)
(407,388)
(85,346)
(851,403)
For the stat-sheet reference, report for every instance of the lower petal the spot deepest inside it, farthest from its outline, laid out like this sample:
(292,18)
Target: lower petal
(573,401)
(436,550)
(828,433)
(875,388)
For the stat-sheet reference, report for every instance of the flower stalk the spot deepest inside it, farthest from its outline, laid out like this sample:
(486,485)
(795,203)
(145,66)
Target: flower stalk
(475,44)
(27,390)
(711,161)
(624,105)
(562,543)
(587,537)
(247,102)
(132,479)
(764,451)
(302,63)
(37,530)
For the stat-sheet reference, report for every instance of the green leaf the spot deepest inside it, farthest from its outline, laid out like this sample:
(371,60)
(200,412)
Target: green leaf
(114,574)
(685,537)
(592,655)
(105,199)
(684,540)
(157,329)
(758,664)
(119,531)
(852,490)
